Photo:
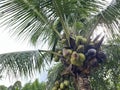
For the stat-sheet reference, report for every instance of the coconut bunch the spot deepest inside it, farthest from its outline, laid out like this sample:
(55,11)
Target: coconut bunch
(79,54)
(61,85)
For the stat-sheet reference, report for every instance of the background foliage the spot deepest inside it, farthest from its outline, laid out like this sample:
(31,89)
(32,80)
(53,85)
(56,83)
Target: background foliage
(36,85)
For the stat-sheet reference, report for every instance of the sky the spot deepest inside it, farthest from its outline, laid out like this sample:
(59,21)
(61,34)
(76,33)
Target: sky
(11,44)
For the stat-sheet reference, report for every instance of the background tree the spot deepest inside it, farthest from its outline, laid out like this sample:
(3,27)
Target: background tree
(17,85)
(2,87)
(36,85)
(46,20)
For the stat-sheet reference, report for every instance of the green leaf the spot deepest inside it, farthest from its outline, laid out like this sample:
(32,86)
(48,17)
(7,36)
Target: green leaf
(23,63)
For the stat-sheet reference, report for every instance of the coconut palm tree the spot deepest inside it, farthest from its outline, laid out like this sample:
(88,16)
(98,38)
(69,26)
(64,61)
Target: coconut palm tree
(64,25)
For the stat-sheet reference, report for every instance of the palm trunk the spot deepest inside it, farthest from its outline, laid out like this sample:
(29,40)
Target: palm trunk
(82,83)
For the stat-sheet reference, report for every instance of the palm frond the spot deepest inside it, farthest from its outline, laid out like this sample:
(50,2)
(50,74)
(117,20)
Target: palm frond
(35,19)
(23,63)
(27,18)
(110,19)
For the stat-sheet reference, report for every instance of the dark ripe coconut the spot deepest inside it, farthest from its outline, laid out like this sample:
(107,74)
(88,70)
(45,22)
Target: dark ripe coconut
(91,52)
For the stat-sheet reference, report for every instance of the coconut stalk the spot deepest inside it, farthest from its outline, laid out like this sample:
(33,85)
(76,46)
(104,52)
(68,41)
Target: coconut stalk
(82,83)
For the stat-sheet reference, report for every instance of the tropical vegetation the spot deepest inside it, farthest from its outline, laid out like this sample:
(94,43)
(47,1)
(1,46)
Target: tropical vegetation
(36,85)
(81,57)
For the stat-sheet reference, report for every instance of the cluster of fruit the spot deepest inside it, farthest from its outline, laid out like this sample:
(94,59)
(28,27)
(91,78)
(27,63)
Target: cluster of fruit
(78,55)
(74,55)
(71,57)
(80,52)
(64,85)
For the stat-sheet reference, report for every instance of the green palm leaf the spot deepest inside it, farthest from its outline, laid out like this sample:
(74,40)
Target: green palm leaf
(23,63)
(35,18)
(109,18)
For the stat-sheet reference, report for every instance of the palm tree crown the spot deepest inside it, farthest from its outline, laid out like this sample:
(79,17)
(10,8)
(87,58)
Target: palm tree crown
(48,21)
